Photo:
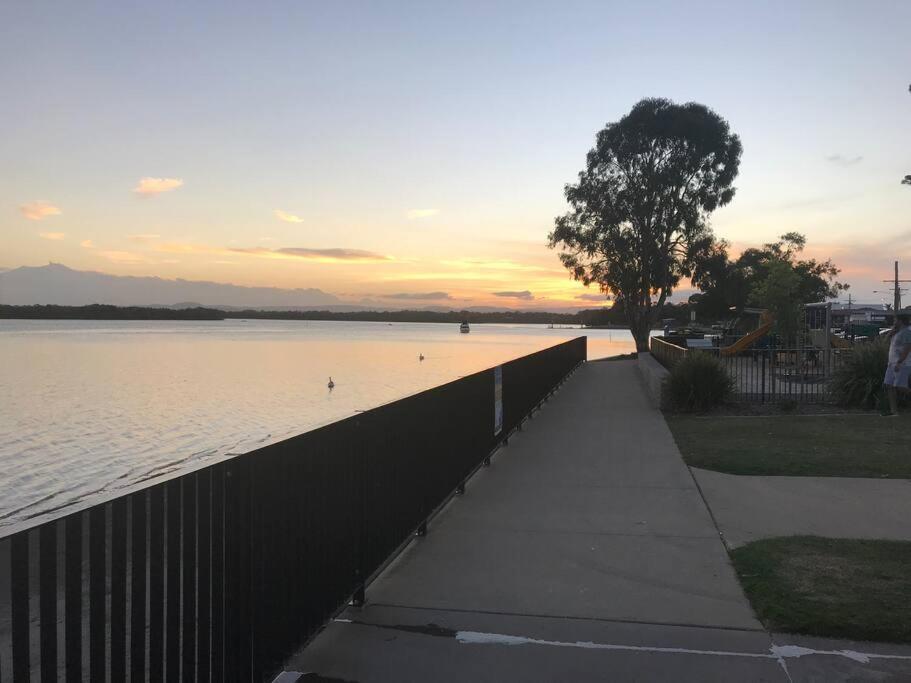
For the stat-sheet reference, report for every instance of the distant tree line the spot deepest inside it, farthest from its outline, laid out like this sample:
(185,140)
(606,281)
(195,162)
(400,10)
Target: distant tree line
(107,312)
(598,317)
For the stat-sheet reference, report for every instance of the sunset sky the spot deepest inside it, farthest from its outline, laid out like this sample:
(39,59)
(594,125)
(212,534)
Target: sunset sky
(417,151)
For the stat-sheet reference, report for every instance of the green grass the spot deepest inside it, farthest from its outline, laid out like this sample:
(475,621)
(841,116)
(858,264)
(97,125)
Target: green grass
(838,588)
(851,445)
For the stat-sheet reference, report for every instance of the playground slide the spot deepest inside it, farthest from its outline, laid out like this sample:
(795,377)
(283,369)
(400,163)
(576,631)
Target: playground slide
(746,340)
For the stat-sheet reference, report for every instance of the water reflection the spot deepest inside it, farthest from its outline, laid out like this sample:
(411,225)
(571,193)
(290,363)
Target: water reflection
(92,406)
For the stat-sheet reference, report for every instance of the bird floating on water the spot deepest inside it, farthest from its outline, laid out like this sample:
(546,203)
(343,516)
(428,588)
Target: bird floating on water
(331,384)
(421,357)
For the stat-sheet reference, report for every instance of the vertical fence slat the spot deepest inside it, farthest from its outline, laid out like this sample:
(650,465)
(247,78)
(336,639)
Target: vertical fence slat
(118,589)
(172,579)
(47,544)
(217,627)
(156,583)
(19,586)
(188,570)
(138,587)
(97,590)
(73,598)
(204,565)
(238,628)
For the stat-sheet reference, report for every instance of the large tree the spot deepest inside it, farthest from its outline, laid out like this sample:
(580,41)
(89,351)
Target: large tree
(639,213)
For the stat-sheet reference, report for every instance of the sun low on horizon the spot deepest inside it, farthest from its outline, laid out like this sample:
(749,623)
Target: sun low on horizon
(393,155)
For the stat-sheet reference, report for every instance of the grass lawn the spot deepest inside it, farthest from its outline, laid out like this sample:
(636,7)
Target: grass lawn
(839,588)
(851,445)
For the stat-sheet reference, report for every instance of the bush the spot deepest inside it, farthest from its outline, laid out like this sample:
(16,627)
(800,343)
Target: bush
(858,380)
(698,382)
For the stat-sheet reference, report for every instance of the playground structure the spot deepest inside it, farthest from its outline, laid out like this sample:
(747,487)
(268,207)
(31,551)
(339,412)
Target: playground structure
(766,322)
(764,366)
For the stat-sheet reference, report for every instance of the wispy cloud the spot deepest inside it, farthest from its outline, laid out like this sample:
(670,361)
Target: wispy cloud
(153,186)
(524,295)
(287,217)
(419,296)
(324,255)
(125,257)
(841,160)
(87,244)
(143,238)
(496,264)
(421,213)
(52,235)
(332,255)
(37,210)
(592,297)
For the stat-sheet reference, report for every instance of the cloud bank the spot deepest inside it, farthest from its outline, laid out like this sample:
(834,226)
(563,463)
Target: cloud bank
(37,210)
(332,254)
(840,160)
(287,217)
(152,186)
(525,295)
(433,296)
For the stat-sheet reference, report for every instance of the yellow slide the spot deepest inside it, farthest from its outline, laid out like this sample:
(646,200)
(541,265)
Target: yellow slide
(746,340)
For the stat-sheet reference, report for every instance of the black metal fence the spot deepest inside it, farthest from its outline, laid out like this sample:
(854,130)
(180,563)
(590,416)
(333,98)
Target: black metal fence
(769,374)
(222,573)
(784,374)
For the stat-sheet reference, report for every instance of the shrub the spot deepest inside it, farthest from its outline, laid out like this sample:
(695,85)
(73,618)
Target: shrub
(698,382)
(858,380)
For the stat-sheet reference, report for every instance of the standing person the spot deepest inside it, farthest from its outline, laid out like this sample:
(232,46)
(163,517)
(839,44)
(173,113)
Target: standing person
(899,369)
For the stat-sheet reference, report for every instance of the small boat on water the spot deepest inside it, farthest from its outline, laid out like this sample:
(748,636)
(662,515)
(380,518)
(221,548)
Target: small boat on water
(463,328)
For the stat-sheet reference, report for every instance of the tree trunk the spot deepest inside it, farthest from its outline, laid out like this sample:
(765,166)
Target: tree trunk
(641,335)
(640,326)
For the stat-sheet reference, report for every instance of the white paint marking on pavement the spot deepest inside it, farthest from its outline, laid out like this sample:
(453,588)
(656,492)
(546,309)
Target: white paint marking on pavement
(778,652)
(478,638)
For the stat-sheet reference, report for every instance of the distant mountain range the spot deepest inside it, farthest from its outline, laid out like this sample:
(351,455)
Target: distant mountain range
(57,284)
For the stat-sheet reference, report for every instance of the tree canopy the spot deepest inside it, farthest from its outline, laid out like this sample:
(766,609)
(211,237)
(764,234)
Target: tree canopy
(727,284)
(639,212)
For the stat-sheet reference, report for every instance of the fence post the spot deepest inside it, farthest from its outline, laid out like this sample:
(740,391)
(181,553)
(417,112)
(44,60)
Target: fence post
(762,400)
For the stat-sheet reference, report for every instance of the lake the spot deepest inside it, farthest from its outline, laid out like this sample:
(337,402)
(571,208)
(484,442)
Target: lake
(90,407)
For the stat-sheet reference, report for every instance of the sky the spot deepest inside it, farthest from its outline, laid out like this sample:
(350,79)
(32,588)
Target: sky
(417,151)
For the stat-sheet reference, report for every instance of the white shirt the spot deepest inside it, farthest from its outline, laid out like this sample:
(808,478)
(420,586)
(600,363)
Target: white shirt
(900,340)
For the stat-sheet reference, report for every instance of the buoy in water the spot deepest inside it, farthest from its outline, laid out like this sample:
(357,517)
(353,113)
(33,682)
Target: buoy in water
(331,384)
(421,357)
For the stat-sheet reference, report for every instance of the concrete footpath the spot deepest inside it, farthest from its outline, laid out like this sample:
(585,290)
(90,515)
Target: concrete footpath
(584,553)
(750,508)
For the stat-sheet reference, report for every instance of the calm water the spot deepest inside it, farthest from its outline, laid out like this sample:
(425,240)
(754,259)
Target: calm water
(89,407)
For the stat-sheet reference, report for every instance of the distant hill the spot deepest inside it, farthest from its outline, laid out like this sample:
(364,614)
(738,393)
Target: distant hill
(57,284)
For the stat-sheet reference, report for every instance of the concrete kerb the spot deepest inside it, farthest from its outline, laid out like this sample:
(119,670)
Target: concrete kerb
(654,375)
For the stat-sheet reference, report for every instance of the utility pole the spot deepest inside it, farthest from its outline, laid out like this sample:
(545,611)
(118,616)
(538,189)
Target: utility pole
(897,291)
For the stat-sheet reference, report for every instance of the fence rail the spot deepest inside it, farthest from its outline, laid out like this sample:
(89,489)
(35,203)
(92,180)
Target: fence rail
(665,352)
(222,573)
(769,374)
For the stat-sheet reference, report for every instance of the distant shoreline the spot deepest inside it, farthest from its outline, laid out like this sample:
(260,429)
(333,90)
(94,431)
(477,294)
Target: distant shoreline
(110,312)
